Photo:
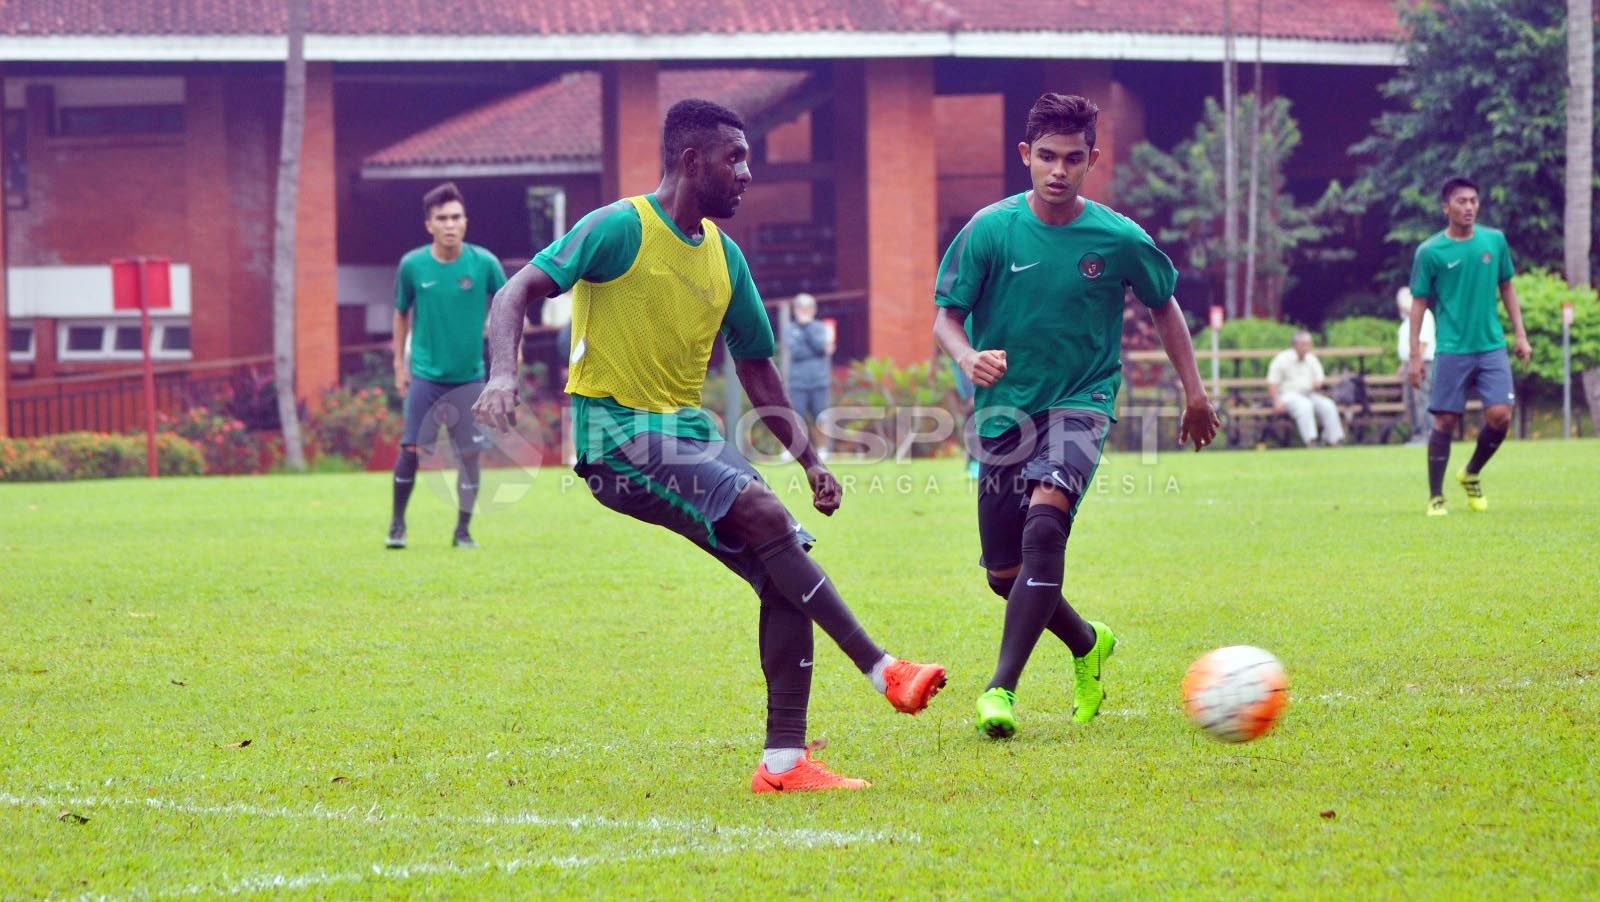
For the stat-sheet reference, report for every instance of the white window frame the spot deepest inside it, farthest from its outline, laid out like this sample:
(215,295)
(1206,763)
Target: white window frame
(31,353)
(108,337)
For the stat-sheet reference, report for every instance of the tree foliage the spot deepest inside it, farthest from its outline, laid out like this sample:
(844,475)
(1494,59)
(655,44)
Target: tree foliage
(1179,197)
(1483,95)
(1540,294)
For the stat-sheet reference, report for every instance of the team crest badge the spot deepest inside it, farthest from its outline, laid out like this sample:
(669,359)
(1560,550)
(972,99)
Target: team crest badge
(466,283)
(1486,257)
(1091,266)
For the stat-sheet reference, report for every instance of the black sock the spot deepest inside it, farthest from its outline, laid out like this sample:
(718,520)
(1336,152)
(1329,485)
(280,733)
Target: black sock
(1438,459)
(786,654)
(802,581)
(1070,627)
(1489,439)
(467,490)
(1036,598)
(405,479)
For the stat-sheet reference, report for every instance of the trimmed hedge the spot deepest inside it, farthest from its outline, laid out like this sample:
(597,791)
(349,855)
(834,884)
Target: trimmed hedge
(94,455)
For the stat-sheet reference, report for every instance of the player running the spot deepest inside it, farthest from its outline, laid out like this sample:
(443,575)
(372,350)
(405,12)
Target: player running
(1030,298)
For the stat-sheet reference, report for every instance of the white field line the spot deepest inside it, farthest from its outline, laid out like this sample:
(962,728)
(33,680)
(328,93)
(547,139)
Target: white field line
(692,836)
(804,837)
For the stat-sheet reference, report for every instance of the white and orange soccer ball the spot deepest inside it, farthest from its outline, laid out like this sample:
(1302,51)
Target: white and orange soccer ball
(1236,693)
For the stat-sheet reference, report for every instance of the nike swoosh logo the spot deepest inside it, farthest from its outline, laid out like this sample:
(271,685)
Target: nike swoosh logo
(805,663)
(1016,268)
(1032,583)
(807,597)
(429,284)
(1452,265)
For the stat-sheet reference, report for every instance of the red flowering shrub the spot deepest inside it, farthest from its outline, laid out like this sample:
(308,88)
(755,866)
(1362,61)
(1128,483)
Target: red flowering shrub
(350,423)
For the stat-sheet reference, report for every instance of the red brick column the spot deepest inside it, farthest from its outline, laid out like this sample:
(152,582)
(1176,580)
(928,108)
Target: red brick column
(210,216)
(902,185)
(316,320)
(848,152)
(630,131)
(5,322)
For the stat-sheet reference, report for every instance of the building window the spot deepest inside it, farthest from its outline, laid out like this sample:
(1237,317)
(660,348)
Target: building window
(119,120)
(547,214)
(19,343)
(100,340)
(16,161)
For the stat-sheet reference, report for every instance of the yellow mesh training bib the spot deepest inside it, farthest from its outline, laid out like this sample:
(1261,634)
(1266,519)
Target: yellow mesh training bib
(644,338)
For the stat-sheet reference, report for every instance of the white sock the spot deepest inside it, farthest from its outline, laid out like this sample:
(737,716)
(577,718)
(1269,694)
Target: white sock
(781,761)
(876,675)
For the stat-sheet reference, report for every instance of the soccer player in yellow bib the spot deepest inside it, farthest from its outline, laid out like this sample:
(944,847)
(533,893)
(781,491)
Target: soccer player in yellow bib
(654,281)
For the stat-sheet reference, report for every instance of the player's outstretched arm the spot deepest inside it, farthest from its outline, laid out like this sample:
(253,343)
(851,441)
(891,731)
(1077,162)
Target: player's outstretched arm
(764,386)
(1200,423)
(1520,346)
(497,404)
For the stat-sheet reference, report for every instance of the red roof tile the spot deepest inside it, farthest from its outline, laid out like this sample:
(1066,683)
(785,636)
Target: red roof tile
(1316,19)
(560,120)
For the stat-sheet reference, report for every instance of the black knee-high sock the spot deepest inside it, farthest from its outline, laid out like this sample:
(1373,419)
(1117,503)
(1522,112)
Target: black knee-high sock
(1036,597)
(1489,439)
(786,655)
(1064,622)
(467,490)
(802,581)
(405,479)
(1438,459)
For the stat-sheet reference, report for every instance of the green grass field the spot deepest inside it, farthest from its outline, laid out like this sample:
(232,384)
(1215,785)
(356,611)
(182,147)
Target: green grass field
(577,708)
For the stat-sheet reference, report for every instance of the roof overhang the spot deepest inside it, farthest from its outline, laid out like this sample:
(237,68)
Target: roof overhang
(515,168)
(752,46)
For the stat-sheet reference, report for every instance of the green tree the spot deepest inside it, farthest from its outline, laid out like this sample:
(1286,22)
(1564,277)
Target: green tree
(1483,94)
(1541,293)
(1179,197)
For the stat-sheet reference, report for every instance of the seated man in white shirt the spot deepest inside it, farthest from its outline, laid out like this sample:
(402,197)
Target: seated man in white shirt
(1295,380)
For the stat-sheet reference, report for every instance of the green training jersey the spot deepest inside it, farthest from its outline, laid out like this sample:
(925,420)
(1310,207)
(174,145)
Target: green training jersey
(1461,280)
(451,301)
(1052,298)
(623,272)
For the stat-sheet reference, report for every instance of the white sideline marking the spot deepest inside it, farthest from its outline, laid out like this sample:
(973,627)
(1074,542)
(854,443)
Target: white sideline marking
(806,837)
(701,836)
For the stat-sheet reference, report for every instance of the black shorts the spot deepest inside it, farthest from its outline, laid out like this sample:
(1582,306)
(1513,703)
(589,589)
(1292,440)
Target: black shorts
(432,405)
(684,484)
(1061,447)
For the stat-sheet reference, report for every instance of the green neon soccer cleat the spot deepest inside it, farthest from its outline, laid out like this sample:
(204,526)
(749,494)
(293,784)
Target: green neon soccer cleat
(995,719)
(1087,691)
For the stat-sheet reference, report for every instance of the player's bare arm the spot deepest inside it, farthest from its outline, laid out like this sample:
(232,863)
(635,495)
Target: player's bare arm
(763,384)
(1419,309)
(1200,423)
(1520,346)
(402,371)
(497,404)
(983,367)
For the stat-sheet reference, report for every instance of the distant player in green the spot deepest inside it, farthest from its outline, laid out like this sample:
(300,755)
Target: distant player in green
(441,299)
(1030,297)
(654,282)
(1461,274)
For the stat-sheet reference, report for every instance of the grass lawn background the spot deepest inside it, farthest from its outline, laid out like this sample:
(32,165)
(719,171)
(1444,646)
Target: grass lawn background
(577,708)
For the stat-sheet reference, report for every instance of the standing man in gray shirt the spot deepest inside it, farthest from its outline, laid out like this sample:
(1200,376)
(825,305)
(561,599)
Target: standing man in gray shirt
(811,345)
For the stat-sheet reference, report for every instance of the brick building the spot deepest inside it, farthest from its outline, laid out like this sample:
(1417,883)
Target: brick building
(145,128)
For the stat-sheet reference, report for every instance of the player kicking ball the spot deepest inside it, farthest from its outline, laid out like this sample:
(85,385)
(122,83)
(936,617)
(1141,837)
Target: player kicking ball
(654,281)
(1030,298)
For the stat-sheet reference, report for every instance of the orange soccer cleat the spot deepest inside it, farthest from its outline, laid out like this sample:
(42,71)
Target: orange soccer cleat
(910,686)
(806,776)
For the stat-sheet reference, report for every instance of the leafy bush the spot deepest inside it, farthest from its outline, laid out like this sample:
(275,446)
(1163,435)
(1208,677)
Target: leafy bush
(351,422)
(95,455)
(1541,294)
(1247,333)
(1359,331)
(892,392)
(227,446)
(377,371)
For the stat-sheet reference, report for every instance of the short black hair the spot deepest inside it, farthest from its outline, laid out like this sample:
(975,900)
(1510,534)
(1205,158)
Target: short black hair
(1062,114)
(439,195)
(1455,183)
(692,123)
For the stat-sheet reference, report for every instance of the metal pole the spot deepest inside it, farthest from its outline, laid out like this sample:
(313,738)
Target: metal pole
(149,370)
